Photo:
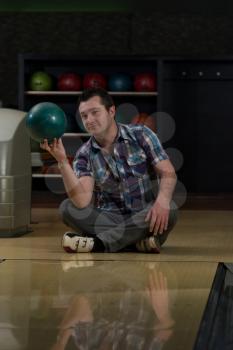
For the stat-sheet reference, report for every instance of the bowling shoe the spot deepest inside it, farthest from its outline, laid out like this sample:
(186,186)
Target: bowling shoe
(73,242)
(149,244)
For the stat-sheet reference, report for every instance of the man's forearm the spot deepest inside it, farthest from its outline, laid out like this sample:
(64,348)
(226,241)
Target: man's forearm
(79,193)
(166,187)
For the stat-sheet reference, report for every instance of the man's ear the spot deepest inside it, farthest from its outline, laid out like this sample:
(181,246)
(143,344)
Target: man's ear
(112,110)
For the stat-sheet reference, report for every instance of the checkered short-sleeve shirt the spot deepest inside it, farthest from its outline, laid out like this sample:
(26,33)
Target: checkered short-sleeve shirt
(125,179)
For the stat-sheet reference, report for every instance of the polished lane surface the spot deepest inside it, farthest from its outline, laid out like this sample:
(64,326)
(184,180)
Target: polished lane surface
(196,237)
(100,305)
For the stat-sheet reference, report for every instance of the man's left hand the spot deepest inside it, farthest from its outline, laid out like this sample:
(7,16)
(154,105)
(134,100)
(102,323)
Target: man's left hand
(158,216)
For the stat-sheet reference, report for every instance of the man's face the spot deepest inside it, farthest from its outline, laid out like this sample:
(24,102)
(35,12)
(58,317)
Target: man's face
(95,117)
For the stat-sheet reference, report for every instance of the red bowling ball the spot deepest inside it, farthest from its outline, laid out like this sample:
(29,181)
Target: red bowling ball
(94,80)
(69,82)
(145,119)
(145,82)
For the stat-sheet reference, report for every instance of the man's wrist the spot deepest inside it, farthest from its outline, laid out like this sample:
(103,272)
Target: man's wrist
(62,163)
(164,201)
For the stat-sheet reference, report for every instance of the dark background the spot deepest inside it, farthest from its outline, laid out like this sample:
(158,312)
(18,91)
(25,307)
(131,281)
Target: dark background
(113,28)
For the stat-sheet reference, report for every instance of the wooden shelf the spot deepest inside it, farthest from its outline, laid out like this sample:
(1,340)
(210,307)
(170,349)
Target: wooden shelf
(53,176)
(76,134)
(76,93)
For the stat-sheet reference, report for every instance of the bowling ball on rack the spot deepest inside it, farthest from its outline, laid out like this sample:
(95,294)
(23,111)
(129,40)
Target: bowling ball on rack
(144,82)
(45,120)
(69,82)
(40,81)
(94,80)
(120,82)
(145,119)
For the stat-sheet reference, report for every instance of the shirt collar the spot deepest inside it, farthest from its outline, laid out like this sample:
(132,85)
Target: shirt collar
(121,135)
(125,132)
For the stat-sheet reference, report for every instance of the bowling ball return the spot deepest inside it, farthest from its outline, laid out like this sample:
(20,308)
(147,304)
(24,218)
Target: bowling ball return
(15,174)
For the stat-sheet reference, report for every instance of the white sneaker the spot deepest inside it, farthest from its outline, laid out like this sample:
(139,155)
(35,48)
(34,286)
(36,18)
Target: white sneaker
(76,243)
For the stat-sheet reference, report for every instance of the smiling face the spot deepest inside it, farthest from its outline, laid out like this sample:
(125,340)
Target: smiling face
(96,119)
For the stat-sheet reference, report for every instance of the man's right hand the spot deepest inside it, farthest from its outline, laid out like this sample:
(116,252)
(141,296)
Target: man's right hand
(56,149)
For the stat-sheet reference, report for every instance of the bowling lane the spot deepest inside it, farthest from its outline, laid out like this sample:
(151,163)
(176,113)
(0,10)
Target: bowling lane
(102,304)
(194,238)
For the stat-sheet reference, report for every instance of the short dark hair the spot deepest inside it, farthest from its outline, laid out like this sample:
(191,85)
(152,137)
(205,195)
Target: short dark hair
(105,98)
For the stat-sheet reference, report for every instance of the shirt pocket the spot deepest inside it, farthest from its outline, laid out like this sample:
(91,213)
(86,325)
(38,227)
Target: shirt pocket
(101,175)
(105,182)
(138,164)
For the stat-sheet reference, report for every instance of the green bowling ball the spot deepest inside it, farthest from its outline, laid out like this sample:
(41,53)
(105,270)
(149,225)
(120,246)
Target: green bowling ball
(46,120)
(40,81)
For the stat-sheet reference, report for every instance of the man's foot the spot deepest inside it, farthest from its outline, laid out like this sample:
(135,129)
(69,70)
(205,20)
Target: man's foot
(149,245)
(76,243)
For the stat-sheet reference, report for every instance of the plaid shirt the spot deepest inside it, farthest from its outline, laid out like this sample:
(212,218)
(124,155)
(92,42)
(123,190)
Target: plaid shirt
(124,180)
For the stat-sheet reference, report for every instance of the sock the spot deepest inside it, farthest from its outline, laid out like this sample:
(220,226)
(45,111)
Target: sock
(98,245)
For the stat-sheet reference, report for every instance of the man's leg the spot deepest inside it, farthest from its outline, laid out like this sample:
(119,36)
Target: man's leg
(114,230)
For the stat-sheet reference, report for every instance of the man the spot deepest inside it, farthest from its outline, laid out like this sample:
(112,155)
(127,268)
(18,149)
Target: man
(121,184)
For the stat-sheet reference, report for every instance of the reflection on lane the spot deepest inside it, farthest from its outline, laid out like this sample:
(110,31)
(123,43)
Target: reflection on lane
(117,307)
(102,305)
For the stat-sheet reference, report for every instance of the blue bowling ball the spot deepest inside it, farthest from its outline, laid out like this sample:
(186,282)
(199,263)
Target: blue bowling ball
(46,120)
(120,82)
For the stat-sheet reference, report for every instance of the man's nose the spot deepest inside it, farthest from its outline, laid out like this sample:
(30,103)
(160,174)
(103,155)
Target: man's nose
(89,118)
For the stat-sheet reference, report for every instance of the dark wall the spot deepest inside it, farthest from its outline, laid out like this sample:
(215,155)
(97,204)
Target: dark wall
(152,33)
